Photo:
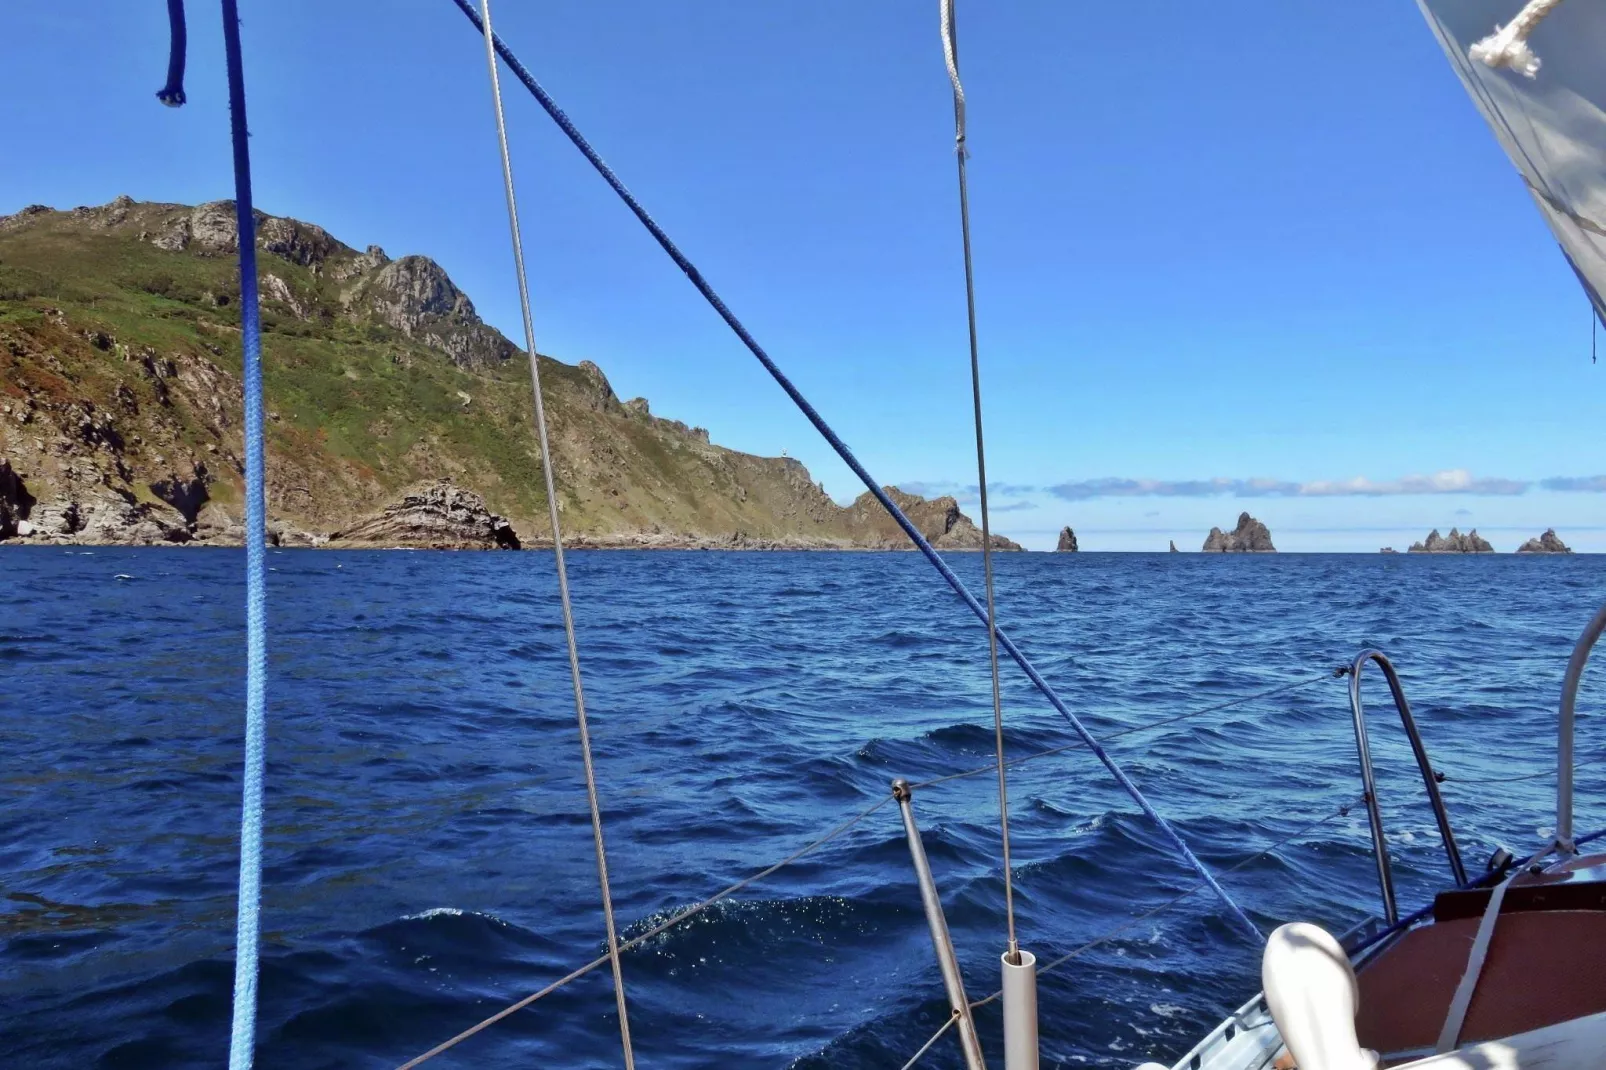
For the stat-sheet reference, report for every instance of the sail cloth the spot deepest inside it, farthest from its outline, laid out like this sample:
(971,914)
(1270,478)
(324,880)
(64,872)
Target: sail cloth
(1552,125)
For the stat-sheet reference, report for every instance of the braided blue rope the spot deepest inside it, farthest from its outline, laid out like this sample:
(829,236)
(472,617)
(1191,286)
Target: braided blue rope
(842,450)
(242,1039)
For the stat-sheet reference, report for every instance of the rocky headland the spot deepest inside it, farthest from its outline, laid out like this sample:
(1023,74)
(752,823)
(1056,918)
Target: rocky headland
(1453,543)
(395,415)
(1548,543)
(1249,537)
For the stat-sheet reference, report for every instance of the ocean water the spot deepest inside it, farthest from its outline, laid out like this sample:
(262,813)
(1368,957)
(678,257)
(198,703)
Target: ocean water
(429,856)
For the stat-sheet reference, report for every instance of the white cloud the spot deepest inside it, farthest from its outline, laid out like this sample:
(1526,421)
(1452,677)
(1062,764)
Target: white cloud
(1451,481)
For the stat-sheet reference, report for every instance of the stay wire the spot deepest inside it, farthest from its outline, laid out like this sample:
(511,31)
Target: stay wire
(557,545)
(848,457)
(950,50)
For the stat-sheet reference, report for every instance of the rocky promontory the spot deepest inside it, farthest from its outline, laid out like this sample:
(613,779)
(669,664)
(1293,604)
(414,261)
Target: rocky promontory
(1548,543)
(121,415)
(1453,543)
(1067,543)
(440,517)
(1249,537)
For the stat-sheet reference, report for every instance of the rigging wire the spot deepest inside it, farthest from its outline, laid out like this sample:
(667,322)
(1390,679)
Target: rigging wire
(557,546)
(248,921)
(950,53)
(848,457)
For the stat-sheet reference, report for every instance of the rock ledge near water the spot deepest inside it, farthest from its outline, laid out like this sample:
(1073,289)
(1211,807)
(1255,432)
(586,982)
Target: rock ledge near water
(439,517)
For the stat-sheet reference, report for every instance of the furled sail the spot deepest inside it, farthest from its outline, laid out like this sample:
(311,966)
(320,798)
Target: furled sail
(1546,105)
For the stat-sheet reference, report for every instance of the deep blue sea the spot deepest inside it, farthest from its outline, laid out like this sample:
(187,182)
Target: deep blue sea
(429,855)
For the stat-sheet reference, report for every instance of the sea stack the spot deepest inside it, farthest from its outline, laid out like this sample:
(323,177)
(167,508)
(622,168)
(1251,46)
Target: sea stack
(1174,547)
(1453,543)
(1547,543)
(1249,537)
(1067,544)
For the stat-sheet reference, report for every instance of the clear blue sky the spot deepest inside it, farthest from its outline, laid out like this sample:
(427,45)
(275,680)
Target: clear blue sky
(1213,242)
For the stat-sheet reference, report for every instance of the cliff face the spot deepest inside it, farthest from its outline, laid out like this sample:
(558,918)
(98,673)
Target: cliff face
(120,414)
(1249,537)
(1454,543)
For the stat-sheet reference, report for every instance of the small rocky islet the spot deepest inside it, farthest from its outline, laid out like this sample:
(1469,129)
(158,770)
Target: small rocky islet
(1249,537)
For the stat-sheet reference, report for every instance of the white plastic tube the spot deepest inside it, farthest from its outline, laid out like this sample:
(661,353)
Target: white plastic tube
(1020,1012)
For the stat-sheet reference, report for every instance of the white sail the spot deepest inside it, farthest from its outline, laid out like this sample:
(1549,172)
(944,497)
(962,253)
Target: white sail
(1551,123)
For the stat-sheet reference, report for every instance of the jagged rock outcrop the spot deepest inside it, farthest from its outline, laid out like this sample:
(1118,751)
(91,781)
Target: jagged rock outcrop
(440,517)
(416,296)
(938,519)
(1388,550)
(1548,543)
(1067,543)
(1453,543)
(1173,547)
(1249,537)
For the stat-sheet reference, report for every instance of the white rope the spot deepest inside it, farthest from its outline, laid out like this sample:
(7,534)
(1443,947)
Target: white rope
(1450,1035)
(557,543)
(950,56)
(1508,45)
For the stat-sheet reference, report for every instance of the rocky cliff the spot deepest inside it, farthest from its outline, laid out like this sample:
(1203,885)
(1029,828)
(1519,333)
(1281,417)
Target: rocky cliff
(120,414)
(1067,543)
(1548,543)
(1453,543)
(1249,537)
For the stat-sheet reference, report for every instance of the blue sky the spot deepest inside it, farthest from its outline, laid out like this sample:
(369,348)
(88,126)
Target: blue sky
(1225,260)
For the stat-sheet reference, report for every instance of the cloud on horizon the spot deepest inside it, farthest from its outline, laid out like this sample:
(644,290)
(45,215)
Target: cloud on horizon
(1451,481)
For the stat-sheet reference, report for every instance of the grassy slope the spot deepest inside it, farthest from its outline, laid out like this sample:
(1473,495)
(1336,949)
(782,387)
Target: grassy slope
(363,410)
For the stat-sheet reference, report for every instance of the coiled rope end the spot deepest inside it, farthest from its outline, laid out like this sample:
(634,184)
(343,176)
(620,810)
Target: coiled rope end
(1507,47)
(171,95)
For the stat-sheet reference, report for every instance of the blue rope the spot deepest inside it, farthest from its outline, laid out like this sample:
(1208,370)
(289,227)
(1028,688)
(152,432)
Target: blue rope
(172,94)
(842,450)
(247,928)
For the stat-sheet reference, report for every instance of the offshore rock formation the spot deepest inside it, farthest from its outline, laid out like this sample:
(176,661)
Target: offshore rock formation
(441,517)
(1453,543)
(938,519)
(1249,537)
(1173,547)
(1067,543)
(1388,550)
(1548,543)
